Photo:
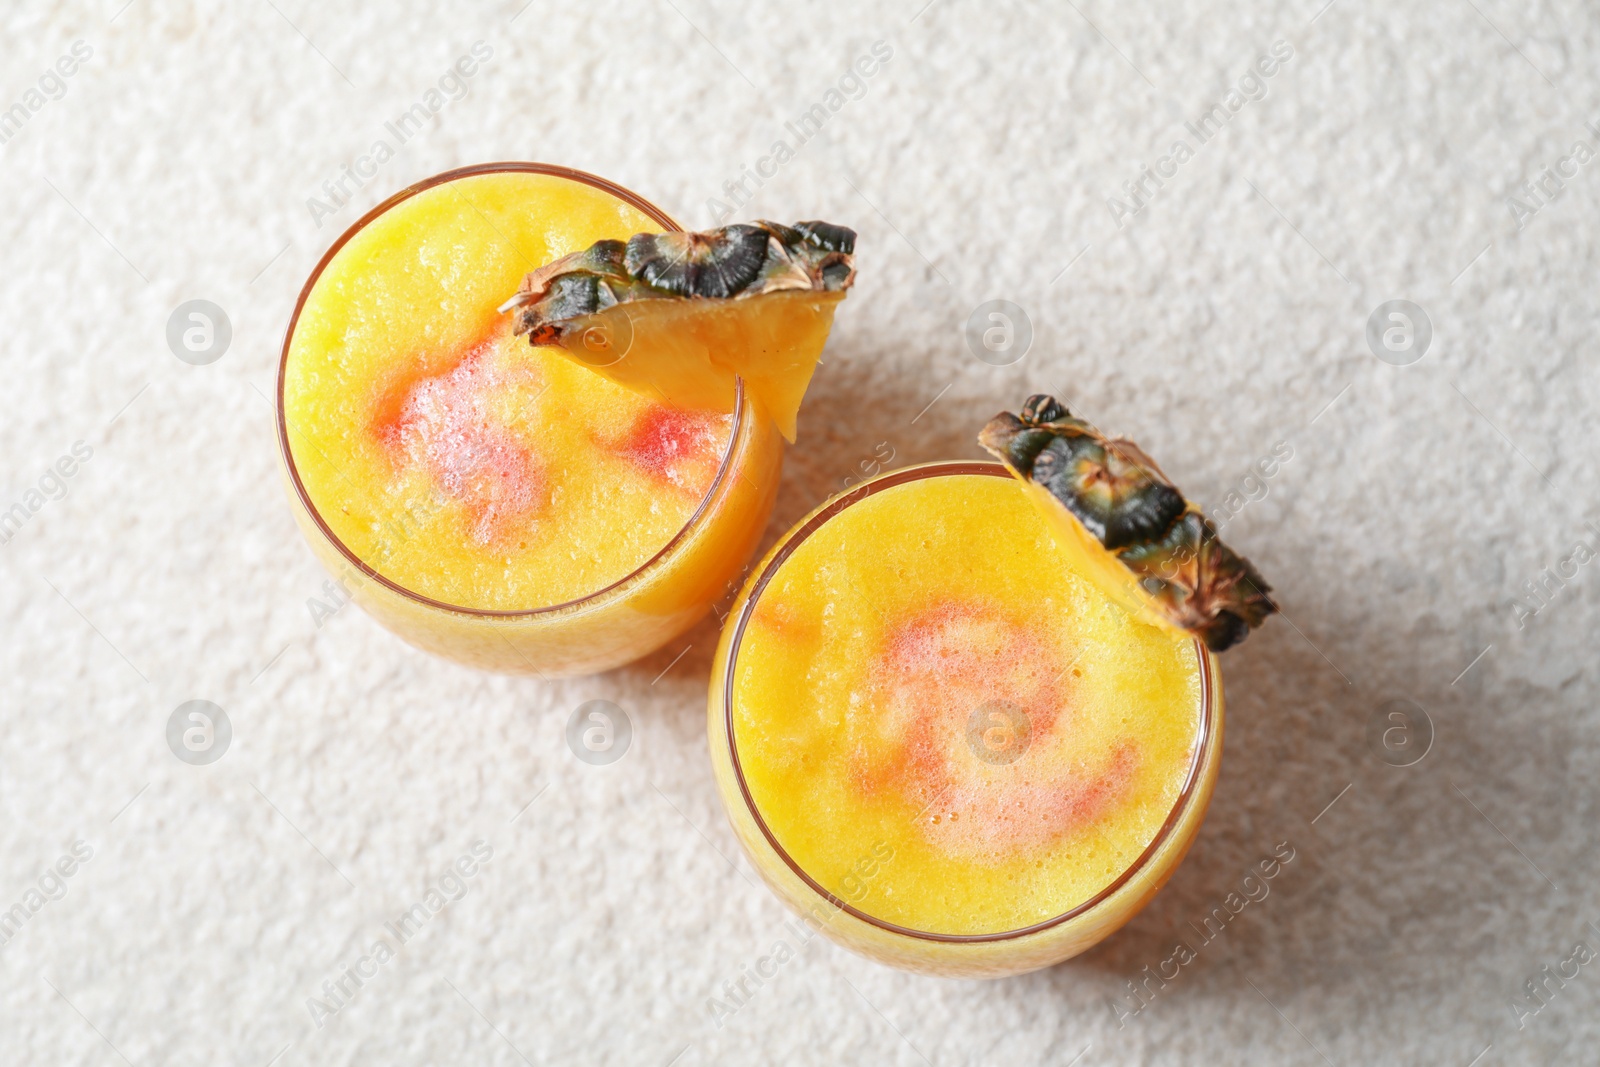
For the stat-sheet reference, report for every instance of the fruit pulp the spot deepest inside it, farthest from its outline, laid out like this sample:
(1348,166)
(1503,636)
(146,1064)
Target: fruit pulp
(942,723)
(485,482)
(771,341)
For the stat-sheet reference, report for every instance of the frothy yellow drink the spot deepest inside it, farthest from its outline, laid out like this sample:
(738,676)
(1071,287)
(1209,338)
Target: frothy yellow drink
(942,729)
(502,501)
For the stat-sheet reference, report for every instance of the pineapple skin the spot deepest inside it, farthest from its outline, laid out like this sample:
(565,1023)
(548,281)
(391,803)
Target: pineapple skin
(682,315)
(1152,549)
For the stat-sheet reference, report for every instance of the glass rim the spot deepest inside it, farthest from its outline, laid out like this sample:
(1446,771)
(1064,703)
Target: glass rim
(724,467)
(808,526)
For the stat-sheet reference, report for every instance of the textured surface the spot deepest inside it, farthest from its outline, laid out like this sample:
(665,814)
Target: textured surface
(1225,316)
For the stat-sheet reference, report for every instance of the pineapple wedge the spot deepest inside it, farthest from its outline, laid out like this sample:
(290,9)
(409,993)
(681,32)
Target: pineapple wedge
(1135,534)
(683,315)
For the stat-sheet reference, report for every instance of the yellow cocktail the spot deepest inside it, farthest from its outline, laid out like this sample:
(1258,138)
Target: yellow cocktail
(946,744)
(494,502)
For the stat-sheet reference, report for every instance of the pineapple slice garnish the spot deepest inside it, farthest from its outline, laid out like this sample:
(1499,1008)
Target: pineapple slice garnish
(1133,531)
(682,315)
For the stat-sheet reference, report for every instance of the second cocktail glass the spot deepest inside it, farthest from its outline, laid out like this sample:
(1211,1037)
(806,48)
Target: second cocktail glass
(941,746)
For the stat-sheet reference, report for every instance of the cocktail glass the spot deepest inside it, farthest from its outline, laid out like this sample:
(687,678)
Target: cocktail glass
(605,627)
(832,891)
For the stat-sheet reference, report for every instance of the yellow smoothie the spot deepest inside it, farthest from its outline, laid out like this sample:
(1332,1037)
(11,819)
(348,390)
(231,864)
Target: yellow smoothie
(949,746)
(497,502)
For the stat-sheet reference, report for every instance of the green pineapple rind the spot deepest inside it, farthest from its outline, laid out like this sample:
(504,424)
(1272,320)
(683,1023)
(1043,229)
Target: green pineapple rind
(732,262)
(1126,504)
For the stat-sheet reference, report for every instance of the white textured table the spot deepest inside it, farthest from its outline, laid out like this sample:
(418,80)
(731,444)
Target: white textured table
(1216,316)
